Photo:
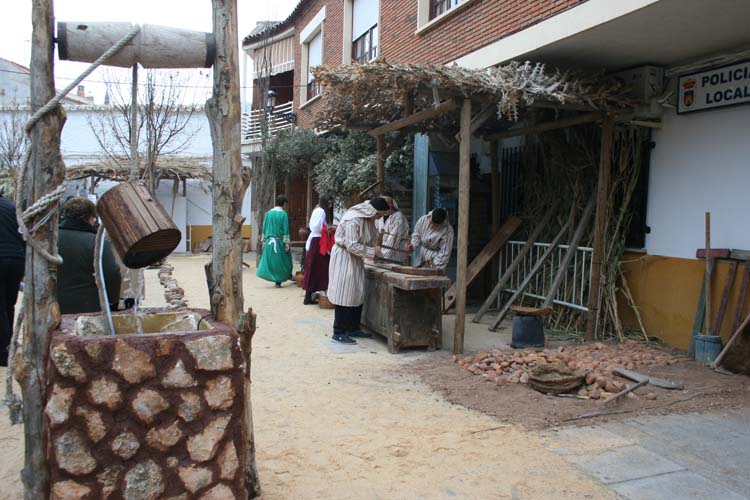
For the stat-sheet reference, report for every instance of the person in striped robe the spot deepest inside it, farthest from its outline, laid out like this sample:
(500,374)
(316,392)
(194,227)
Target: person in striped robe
(356,239)
(433,240)
(396,229)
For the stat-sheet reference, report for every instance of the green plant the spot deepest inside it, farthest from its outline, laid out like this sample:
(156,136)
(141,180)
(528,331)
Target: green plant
(293,151)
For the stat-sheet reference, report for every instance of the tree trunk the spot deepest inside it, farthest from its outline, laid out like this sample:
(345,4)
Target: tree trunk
(229,185)
(45,172)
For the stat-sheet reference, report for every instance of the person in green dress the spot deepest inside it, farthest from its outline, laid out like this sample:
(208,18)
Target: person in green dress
(276,259)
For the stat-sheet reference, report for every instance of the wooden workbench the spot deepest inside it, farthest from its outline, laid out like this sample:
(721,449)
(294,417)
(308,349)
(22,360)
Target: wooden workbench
(403,308)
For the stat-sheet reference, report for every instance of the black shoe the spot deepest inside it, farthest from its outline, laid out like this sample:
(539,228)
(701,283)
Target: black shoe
(359,334)
(343,339)
(278,285)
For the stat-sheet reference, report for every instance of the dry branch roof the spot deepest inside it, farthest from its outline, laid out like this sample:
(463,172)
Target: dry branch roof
(371,95)
(167,168)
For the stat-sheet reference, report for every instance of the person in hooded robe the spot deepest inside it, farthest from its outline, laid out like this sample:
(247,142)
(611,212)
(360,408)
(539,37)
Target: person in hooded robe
(356,239)
(317,255)
(433,240)
(395,229)
(276,260)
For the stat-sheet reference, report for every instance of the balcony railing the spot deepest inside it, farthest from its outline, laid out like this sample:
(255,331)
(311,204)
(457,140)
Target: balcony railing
(280,118)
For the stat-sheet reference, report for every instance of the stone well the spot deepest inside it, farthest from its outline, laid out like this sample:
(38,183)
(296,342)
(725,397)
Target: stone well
(147,416)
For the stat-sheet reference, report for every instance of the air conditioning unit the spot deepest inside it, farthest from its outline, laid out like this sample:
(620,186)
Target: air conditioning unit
(646,84)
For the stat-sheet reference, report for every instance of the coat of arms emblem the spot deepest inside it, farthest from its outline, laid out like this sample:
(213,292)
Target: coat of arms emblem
(688,93)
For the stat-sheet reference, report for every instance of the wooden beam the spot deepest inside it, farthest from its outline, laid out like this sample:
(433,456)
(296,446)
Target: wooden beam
(464,180)
(488,252)
(45,172)
(229,184)
(495,201)
(561,106)
(381,162)
(547,126)
(480,119)
(415,118)
(527,280)
(563,269)
(600,225)
(516,262)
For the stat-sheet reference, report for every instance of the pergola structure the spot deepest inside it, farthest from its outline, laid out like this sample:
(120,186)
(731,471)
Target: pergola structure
(493,104)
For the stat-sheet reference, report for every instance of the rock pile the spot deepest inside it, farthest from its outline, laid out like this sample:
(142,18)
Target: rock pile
(597,361)
(146,417)
(174,295)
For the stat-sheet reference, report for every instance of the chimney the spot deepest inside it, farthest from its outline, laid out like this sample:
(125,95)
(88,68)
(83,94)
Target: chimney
(81,91)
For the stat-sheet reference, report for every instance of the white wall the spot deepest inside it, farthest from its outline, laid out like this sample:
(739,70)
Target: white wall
(701,163)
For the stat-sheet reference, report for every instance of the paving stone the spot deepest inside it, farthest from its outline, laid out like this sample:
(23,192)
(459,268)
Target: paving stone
(66,363)
(228,462)
(165,437)
(125,445)
(190,408)
(212,353)
(58,404)
(106,392)
(109,480)
(680,485)
(132,364)
(94,423)
(624,464)
(144,482)
(219,492)
(219,393)
(195,478)
(72,454)
(94,349)
(70,490)
(148,404)
(178,377)
(203,446)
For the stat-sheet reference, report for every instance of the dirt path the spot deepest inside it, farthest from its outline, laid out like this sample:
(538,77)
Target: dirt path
(340,422)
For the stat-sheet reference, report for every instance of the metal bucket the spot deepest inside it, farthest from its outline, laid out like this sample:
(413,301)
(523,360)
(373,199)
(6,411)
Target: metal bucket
(139,228)
(528,331)
(707,347)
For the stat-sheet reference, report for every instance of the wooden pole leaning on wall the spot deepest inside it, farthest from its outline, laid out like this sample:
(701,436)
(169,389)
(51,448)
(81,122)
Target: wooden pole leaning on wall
(708,273)
(230,181)
(516,262)
(44,173)
(600,225)
(464,182)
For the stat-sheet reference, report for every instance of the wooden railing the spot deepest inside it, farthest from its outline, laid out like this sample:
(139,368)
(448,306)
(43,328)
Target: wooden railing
(279,118)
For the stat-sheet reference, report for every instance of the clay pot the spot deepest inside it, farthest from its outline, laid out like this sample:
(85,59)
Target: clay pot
(299,277)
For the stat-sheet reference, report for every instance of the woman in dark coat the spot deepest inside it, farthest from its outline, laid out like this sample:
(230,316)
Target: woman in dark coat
(76,287)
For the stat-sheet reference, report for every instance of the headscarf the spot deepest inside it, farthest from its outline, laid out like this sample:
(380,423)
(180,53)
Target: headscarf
(364,210)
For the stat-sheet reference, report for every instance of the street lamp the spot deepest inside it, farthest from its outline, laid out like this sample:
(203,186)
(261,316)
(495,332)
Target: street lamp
(271,99)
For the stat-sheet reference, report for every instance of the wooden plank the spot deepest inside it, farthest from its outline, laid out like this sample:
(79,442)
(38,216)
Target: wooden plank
(656,382)
(739,308)
(547,126)
(516,262)
(413,119)
(531,311)
(725,297)
(488,252)
(480,119)
(464,182)
(716,253)
(562,272)
(729,343)
(739,254)
(527,280)
(709,269)
(625,391)
(600,225)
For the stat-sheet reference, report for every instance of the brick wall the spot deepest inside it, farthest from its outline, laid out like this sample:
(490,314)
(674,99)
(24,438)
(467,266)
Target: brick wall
(474,26)
(332,50)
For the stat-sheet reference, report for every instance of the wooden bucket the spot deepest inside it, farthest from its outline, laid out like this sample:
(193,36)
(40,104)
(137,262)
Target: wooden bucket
(139,228)
(299,278)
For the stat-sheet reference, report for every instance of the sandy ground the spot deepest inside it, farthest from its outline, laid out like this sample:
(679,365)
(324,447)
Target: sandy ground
(339,422)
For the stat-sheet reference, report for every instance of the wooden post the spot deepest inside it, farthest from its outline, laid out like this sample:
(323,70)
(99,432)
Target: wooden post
(134,124)
(381,163)
(600,225)
(229,184)
(708,273)
(42,314)
(495,193)
(464,181)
